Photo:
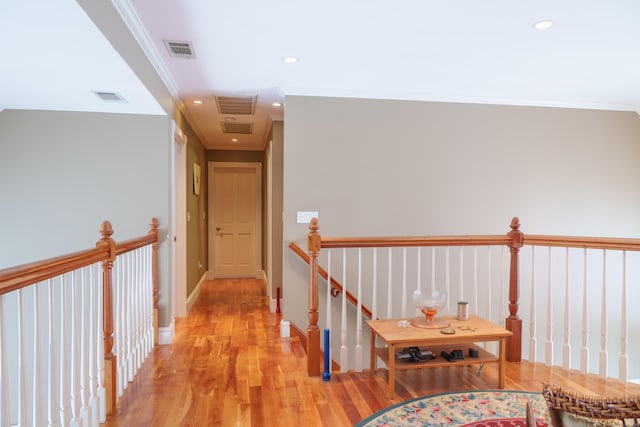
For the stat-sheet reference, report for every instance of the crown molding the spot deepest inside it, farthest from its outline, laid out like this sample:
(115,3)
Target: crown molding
(132,21)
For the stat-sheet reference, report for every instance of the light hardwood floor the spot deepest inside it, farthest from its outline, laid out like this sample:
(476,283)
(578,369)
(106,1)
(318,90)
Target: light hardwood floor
(228,366)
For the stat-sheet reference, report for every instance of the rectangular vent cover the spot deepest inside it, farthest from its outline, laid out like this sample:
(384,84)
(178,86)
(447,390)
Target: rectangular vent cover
(241,128)
(180,49)
(110,96)
(236,104)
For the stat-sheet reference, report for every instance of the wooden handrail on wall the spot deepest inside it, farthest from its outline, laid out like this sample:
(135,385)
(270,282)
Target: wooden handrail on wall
(105,252)
(336,287)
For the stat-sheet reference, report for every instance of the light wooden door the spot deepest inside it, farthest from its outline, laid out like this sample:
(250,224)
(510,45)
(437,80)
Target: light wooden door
(235,228)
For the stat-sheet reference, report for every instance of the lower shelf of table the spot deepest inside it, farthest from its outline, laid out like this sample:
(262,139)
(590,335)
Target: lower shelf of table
(483,357)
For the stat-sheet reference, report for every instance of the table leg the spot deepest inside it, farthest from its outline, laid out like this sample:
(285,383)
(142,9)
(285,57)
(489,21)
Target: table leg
(372,352)
(392,371)
(501,367)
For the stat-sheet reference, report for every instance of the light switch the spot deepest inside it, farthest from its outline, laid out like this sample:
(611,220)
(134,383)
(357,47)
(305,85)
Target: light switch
(304,217)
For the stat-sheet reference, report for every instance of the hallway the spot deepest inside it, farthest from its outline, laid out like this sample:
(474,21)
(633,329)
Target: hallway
(228,366)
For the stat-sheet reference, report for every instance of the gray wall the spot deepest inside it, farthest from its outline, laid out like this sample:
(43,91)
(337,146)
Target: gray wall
(63,173)
(375,167)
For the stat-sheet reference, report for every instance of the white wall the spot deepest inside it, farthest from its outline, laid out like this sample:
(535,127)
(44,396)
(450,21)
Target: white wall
(375,167)
(63,173)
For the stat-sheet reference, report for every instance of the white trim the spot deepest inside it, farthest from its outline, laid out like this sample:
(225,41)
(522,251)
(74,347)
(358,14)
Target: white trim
(179,210)
(196,292)
(166,333)
(130,17)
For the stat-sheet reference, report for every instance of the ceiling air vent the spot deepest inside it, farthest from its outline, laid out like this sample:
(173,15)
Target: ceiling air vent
(180,49)
(241,128)
(236,104)
(110,96)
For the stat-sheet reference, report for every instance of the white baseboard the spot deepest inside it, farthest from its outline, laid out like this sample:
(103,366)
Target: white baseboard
(272,305)
(261,275)
(194,295)
(166,333)
(635,380)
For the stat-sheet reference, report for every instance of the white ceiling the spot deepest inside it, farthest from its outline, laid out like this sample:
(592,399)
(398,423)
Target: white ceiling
(436,50)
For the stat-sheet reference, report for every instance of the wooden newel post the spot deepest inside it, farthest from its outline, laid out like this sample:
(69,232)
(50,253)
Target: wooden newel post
(513,323)
(110,366)
(313,332)
(154,271)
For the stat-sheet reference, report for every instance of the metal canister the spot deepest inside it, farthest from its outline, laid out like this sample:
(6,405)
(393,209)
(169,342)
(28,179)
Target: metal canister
(463,310)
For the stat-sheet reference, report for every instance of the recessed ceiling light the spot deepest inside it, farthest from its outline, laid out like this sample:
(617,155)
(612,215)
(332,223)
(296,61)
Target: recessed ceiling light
(198,101)
(543,24)
(290,59)
(234,139)
(276,104)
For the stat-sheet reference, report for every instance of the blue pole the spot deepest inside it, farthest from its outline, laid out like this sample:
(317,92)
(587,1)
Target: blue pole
(326,376)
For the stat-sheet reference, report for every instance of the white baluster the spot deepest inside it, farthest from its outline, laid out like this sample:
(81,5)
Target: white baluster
(328,305)
(548,355)
(358,364)
(475,281)
(404,282)
(102,392)
(584,351)
(623,362)
(120,322)
(603,321)
(389,287)
(84,350)
(532,310)
(344,351)
(5,405)
(461,274)
(566,348)
(36,409)
(374,304)
(74,363)
(433,268)
(93,344)
(490,281)
(23,399)
(447,276)
(419,275)
(130,322)
(419,272)
(504,285)
(52,387)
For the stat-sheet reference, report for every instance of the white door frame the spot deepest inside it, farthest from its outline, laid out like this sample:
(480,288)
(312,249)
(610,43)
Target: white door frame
(179,222)
(257,166)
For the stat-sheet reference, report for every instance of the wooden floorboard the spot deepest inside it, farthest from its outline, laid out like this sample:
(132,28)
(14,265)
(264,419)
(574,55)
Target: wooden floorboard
(228,366)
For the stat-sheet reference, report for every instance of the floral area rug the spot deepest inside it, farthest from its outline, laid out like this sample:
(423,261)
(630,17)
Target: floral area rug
(477,408)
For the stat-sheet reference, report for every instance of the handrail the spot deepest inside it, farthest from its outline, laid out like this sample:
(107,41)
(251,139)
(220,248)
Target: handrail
(412,241)
(587,242)
(335,285)
(14,278)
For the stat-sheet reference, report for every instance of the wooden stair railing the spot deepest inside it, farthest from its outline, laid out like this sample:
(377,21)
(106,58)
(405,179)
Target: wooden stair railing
(105,252)
(336,287)
(514,240)
(315,243)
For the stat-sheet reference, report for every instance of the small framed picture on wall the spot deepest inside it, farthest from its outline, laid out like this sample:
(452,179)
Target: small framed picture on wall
(196,179)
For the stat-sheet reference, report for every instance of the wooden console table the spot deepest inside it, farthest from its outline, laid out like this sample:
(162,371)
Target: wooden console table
(467,333)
